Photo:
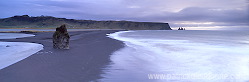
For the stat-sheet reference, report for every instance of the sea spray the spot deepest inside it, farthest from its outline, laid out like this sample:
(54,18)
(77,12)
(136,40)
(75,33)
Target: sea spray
(13,52)
(206,56)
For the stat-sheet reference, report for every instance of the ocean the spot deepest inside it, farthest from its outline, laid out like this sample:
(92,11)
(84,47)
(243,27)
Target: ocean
(14,35)
(12,52)
(180,56)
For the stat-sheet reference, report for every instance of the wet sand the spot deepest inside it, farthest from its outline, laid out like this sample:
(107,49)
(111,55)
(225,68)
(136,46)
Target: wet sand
(89,53)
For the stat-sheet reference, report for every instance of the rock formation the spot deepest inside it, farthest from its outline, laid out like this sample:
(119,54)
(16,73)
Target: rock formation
(61,38)
(180,28)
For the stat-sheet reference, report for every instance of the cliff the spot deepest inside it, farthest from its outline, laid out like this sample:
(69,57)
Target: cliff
(26,21)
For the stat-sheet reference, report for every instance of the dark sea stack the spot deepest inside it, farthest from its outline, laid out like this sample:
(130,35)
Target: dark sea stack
(61,38)
(180,28)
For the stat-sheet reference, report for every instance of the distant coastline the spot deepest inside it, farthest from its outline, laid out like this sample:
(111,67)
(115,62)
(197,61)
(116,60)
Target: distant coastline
(49,22)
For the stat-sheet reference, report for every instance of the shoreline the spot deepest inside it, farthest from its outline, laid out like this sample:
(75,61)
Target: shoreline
(89,53)
(22,51)
(34,30)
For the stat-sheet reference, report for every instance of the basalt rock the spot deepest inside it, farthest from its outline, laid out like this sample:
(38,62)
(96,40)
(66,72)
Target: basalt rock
(180,28)
(61,38)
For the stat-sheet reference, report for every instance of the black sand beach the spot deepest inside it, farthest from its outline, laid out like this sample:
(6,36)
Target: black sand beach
(89,52)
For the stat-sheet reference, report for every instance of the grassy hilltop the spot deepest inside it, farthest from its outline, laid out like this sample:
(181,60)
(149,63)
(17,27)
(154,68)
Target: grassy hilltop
(26,21)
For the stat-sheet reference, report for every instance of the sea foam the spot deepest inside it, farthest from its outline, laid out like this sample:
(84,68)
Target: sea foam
(14,35)
(12,52)
(182,53)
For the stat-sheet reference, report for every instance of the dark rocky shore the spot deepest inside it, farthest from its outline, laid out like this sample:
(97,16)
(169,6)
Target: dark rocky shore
(89,53)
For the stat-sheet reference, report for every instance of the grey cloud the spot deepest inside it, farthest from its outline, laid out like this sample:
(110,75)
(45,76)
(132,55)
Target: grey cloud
(197,14)
(223,12)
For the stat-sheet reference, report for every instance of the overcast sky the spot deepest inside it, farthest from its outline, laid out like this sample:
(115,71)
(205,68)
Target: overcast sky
(192,14)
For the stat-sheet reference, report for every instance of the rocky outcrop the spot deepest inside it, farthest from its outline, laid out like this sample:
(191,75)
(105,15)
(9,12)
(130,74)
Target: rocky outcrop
(61,38)
(180,28)
(26,21)
(128,25)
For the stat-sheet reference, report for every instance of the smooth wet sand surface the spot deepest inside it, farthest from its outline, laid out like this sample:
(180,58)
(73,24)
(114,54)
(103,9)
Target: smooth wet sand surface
(89,53)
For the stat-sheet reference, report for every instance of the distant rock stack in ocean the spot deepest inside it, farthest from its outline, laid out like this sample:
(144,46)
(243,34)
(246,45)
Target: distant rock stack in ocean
(61,38)
(180,28)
